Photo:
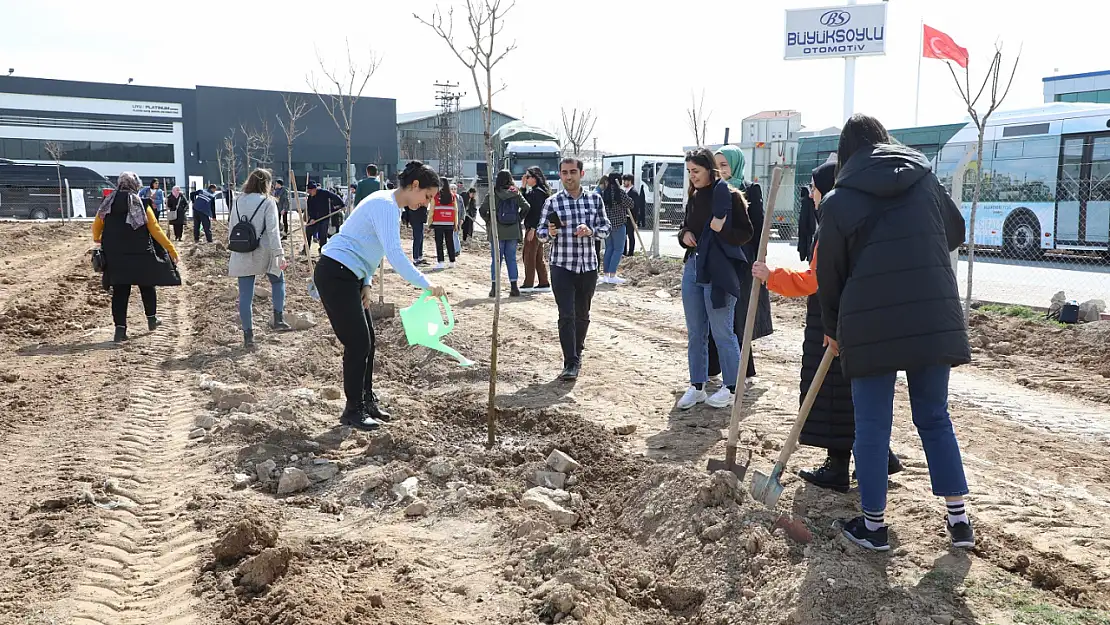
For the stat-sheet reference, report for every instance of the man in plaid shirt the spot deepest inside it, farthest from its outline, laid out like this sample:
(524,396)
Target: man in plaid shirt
(575,219)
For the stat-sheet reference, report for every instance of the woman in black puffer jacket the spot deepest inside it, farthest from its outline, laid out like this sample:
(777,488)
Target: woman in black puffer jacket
(889,303)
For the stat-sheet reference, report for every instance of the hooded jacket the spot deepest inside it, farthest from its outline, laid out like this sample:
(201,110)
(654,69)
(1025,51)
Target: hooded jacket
(888,293)
(506,232)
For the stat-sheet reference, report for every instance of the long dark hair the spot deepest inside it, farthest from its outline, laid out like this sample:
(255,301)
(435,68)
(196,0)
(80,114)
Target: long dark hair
(612,189)
(702,157)
(541,181)
(445,193)
(860,132)
(504,180)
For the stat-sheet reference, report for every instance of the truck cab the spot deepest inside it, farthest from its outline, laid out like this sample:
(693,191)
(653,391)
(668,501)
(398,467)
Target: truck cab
(521,155)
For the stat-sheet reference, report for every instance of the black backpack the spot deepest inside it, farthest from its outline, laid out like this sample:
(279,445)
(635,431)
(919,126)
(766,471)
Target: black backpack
(507,211)
(243,237)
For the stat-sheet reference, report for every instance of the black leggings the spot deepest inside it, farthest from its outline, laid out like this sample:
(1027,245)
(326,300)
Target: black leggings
(341,294)
(178,229)
(445,237)
(121,294)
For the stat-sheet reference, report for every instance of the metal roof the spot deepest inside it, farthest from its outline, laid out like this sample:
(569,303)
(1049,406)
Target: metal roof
(405,118)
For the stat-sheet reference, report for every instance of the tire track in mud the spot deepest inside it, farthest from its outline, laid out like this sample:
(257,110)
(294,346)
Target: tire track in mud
(141,565)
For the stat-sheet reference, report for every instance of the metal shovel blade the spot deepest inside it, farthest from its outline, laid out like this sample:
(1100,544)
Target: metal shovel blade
(383,310)
(729,464)
(767,489)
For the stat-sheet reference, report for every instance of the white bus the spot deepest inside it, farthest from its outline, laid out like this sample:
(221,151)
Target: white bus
(1046,175)
(645,168)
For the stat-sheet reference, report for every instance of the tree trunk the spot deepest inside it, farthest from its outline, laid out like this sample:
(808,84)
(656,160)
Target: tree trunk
(347,174)
(495,244)
(61,193)
(971,221)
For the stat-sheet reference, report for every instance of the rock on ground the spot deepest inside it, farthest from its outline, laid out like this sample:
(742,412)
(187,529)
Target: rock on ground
(265,470)
(241,480)
(247,537)
(409,488)
(416,508)
(257,573)
(561,462)
(292,480)
(205,421)
(197,433)
(331,392)
(550,479)
(625,430)
(540,498)
(323,471)
(301,321)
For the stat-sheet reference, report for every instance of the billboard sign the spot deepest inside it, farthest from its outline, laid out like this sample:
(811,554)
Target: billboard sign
(845,31)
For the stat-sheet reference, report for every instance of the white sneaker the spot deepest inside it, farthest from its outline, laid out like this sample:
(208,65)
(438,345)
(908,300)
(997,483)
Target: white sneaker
(451,265)
(692,397)
(604,280)
(721,399)
(616,280)
(749,382)
(439,266)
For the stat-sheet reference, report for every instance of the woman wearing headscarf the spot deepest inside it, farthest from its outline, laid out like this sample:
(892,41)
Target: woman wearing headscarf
(135,249)
(831,423)
(176,205)
(730,164)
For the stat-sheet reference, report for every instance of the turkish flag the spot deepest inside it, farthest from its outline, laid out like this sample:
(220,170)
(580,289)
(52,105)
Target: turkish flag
(938,45)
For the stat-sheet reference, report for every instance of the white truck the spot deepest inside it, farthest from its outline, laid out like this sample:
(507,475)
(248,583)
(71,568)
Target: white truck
(645,169)
(519,146)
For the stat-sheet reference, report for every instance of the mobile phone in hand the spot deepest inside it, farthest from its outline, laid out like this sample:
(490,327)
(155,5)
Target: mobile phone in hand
(554,219)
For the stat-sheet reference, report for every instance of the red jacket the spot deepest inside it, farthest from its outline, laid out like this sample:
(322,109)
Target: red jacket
(445,214)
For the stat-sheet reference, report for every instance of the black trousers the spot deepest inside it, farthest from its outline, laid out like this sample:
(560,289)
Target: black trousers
(319,231)
(467,229)
(715,363)
(121,295)
(200,219)
(178,228)
(341,294)
(574,294)
(285,222)
(630,247)
(445,236)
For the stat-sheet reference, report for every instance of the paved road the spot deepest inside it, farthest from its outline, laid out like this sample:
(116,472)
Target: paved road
(997,279)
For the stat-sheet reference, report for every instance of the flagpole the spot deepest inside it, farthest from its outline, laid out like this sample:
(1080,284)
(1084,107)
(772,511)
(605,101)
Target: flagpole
(920,54)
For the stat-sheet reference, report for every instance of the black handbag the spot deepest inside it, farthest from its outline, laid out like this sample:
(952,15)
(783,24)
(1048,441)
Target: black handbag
(98,261)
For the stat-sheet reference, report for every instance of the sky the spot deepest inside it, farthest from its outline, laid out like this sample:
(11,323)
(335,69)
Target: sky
(636,65)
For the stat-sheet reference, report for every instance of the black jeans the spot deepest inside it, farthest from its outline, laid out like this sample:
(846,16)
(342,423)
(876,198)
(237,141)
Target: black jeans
(285,222)
(467,229)
(445,237)
(200,219)
(121,295)
(574,293)
(630,247)
(341,294)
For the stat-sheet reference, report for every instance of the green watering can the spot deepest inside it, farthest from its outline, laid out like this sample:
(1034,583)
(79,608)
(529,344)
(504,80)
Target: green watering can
(424,325)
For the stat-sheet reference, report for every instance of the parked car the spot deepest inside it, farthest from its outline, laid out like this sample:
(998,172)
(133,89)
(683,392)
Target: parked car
(31,191)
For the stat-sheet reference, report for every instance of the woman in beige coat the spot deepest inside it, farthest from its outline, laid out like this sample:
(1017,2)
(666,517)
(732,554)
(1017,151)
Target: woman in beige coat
(256,205)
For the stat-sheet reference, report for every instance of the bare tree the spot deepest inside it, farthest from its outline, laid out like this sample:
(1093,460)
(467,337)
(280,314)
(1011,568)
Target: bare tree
(295,109)
(250,147)
(698,118)
(56,152)
(577,128)
(479,54)
(993,78)
(348,86)
(258,144)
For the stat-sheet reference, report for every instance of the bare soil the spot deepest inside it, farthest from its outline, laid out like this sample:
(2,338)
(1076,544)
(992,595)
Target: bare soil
(119,511)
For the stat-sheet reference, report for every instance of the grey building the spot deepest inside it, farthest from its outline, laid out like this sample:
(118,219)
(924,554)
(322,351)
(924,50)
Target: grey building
(418,137)
(176,134)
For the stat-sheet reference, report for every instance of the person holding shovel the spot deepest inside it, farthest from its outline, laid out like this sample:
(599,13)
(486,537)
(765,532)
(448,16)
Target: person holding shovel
(831,423)
(343,276)
(889,303)
(321,204)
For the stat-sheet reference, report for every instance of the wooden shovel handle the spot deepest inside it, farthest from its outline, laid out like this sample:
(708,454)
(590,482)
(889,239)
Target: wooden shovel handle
(807,405)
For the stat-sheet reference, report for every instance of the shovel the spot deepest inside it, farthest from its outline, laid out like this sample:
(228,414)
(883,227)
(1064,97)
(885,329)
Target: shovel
(380,309)
(767,488)
(729,463)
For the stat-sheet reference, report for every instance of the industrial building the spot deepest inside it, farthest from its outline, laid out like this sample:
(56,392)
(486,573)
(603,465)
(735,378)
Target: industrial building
(177,134)
(420,134)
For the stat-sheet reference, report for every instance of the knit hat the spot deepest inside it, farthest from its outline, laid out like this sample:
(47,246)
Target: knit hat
(824,177)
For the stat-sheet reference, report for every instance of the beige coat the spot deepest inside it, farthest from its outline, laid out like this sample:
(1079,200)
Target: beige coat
(266,258)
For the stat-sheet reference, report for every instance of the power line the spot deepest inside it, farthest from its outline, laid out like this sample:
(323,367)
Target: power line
(447,122)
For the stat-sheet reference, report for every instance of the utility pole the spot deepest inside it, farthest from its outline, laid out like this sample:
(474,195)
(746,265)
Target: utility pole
(597,159)
(449,148)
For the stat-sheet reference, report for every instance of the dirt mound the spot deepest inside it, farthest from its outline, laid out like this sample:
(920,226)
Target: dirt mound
(657,273)
(257,573)
(247,537)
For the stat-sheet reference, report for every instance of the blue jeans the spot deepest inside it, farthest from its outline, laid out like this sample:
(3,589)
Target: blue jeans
(458,244)
(614,248)
(246,298)
(874,400)
(508,257)
(701,319)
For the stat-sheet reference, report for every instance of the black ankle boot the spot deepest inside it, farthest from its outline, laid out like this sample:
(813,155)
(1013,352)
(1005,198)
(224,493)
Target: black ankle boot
(515,290)
(493,291)
(374,409)
(893,464)
(248,338)
(121,334)
(832,475)
(279,322)
(152,322)
(357,417)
